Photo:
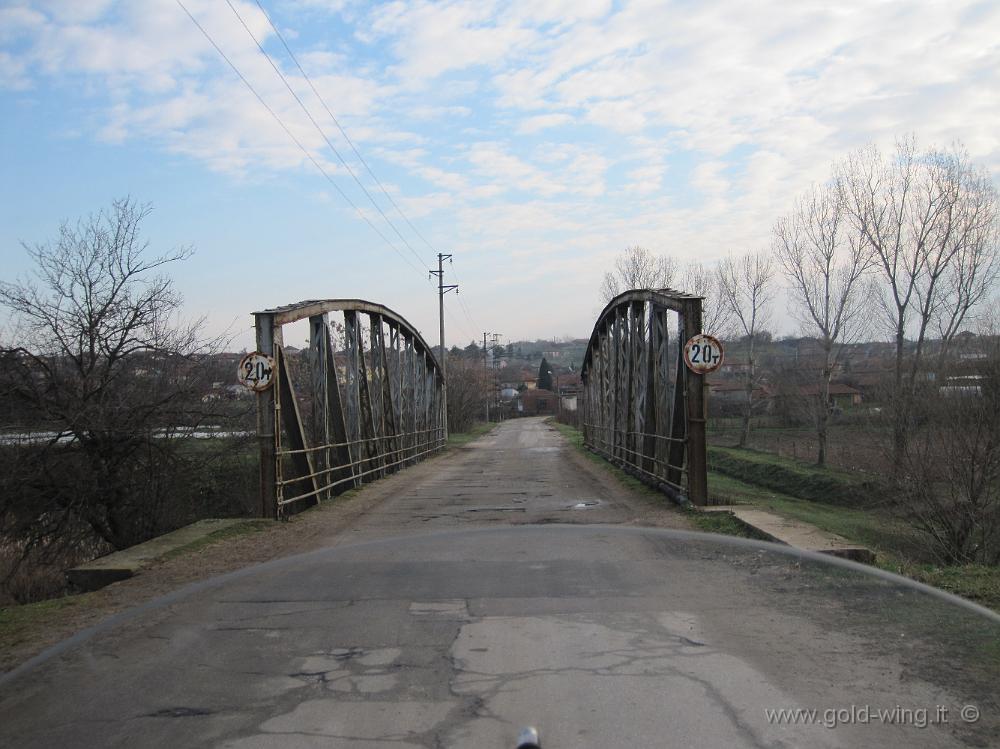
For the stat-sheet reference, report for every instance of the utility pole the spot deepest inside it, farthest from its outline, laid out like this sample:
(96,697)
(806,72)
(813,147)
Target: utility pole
(496,376)
(443,289)
(486,374)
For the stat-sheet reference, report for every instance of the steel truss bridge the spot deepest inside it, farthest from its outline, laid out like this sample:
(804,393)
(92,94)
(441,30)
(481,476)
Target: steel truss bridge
(643,409)
(376,403)
(374,406)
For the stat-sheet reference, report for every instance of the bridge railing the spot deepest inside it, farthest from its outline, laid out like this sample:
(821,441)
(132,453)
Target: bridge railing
(389,461)
(643,409)
(376,410)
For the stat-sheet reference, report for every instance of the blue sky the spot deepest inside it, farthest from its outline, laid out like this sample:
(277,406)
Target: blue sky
(533,140)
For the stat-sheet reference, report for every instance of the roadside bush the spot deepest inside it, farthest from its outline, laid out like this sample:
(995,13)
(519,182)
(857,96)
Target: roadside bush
(467,389)
(42,533)
(951,475)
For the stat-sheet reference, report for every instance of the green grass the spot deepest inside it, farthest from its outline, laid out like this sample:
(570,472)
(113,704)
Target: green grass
(721,522)
(239,529)
(876,529)
(972,581)
(826,485)
(18,623)
(897,546)
(457,439)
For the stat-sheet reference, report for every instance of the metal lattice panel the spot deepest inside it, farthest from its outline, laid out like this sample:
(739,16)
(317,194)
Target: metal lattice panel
(635,413)
(375,406)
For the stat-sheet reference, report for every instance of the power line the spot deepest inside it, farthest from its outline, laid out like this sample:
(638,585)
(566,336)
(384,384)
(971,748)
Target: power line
(459,322)
(466,309)
(357,153)
(319,129)
(316,125)
(293,138)
(461,302)
(341,129)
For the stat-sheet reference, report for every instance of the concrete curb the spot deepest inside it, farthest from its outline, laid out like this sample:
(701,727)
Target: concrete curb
(796,533)
(122,565)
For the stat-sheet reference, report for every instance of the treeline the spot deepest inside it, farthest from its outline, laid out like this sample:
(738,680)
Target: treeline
(903,246)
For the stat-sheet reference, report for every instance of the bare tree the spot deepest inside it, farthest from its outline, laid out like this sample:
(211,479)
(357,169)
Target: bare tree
(468,386)
(951,476)
(746,286)
(826,264)
(931,221)
(716,311)
(98,357)
(638,268)
(973,272)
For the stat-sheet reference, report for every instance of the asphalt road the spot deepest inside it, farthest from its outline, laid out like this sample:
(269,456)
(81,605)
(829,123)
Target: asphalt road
(465,607)
(523,472)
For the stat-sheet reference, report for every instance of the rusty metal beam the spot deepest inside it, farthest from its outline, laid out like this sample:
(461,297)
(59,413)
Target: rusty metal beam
(697,461)
(352,349)
(291,422)
(320,401)
(338,425)
(293,312)
(266,423)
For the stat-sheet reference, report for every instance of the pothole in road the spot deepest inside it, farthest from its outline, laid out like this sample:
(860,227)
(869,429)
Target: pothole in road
(586,505)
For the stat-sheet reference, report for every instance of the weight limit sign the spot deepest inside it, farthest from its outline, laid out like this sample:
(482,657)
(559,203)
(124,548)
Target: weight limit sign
(703,354)
(256,371)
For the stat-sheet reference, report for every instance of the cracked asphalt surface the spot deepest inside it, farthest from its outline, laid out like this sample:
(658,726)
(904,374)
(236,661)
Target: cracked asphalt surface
(514,585)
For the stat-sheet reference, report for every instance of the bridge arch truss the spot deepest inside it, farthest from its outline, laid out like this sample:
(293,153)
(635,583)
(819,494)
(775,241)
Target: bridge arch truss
(333,420)
(643,409)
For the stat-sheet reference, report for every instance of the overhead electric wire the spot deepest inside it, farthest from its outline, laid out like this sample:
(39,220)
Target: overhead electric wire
(320,130)
(461,301)
(357,153)
(295,140)
(346,137)
(336,122)
(457,321)
(322,134)
(467,315)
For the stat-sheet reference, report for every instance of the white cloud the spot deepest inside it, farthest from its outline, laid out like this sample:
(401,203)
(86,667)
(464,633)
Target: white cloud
(684,126)
(646,179)
(13,73)
(18,20)
(542,122)
(432,38)
(707,177)
(167,83)
(432,112)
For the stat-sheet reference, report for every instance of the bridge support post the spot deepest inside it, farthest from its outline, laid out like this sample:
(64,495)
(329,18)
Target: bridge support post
(266,423)
(319,355)
(697,460)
